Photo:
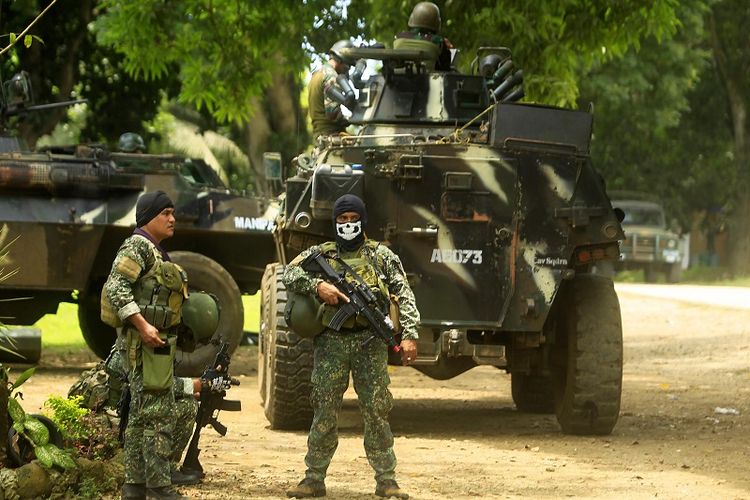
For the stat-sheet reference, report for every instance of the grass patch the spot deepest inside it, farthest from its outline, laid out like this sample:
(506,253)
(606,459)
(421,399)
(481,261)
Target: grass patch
(252,312)
(61,331)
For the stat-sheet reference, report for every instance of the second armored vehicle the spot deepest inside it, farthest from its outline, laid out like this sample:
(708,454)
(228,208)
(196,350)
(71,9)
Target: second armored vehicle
(67,210)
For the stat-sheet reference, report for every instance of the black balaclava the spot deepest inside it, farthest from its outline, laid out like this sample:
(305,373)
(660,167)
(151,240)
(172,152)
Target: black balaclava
(354,231)
(150,205)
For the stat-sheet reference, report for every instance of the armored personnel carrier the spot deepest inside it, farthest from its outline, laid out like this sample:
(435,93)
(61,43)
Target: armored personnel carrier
(498,216)
(68,209)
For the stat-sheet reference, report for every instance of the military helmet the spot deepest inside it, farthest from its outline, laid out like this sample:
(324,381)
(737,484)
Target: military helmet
(336,49)
(304,314)
(425,15)
(131,142)
(200,314)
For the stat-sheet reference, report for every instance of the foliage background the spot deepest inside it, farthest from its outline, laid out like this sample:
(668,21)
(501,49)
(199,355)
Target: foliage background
(668,80)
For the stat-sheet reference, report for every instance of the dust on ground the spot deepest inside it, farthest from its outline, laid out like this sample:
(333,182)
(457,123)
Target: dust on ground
(687,371)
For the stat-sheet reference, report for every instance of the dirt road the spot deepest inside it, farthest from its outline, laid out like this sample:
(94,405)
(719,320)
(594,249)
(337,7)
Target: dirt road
(462,438)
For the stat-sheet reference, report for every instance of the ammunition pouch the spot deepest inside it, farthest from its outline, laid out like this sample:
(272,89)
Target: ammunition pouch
(160,293)
(158,364)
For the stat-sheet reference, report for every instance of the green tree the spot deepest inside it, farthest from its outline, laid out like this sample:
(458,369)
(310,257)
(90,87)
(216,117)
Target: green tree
(729,46)
(67,63)
(554,41)
(651,111)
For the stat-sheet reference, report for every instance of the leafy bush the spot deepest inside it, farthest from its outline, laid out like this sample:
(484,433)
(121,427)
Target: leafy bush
(90,433)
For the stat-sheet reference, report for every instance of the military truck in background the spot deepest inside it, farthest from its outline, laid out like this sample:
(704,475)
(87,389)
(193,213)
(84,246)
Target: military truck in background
(648,245)
(499,218)
(68,209)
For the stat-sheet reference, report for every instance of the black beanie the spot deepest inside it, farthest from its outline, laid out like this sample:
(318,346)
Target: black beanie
(150,205)
(350,203)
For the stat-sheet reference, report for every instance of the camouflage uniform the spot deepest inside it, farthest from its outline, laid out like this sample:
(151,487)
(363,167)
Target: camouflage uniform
(148,437)
(444,45)
(185,405)
(325,113)
(338,353)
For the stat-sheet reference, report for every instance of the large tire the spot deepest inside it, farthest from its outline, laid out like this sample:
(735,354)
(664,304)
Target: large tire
(207,275)
(99,336)
(588,381)
(533,393)
(285,360)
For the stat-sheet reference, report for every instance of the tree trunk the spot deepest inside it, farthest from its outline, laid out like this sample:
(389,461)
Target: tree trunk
(732,74)
(31,130)
(275,125)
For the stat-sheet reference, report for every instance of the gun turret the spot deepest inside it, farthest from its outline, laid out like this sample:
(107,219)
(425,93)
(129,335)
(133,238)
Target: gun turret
(18,97)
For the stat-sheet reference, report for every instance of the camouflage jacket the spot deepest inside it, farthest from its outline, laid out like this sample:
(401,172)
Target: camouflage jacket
(444,45)
(136,255)
(325,113)
(394,277)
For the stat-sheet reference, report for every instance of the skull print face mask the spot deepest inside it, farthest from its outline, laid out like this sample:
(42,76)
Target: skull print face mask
(349,230)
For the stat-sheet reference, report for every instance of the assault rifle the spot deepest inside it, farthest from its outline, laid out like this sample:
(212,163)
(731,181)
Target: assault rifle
(362,301)
(214,384)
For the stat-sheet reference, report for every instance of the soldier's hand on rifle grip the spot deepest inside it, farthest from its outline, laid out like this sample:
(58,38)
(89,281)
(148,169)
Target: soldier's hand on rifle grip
(329,294)
(408,351)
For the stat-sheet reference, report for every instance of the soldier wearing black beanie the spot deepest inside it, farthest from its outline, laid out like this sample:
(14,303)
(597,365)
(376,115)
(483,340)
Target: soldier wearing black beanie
(150,205)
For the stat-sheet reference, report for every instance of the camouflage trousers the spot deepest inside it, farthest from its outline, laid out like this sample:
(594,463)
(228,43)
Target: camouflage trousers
(185,410)
(335,356)
(148,437)
(185,406)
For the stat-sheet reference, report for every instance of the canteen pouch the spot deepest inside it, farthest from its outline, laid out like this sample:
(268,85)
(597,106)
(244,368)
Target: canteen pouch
(158,364)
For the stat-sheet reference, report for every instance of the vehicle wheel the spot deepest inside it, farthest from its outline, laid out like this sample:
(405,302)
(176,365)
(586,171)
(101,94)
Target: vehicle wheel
(99,336)
(285,361)
(650,274)
(21,451)
(207,275)
(588,381)
(674,273)
(532,393)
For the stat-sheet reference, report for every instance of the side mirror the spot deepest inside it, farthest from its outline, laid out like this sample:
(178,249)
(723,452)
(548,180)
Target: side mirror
(272,166)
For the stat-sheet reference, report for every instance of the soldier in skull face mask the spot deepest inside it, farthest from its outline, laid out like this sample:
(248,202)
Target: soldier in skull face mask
(337,353)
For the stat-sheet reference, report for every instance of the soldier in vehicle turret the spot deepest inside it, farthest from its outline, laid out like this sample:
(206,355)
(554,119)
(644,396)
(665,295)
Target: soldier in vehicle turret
(328,90)
(337,353)
(423,34)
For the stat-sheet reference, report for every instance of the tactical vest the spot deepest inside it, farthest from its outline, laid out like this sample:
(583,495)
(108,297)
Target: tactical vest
(159,294)
(364,263)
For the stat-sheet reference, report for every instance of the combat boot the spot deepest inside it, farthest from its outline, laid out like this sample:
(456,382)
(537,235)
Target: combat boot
(389,488)
(307,488)
(164,492)
(184,477)
(133,491)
